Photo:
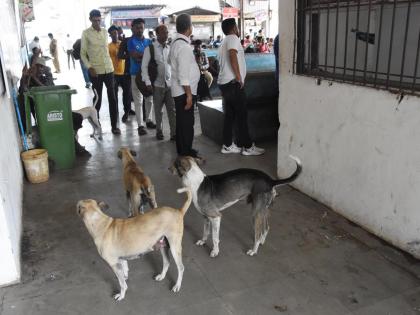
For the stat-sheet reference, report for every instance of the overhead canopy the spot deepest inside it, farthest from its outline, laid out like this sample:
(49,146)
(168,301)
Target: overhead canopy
(123,15)
(199,15)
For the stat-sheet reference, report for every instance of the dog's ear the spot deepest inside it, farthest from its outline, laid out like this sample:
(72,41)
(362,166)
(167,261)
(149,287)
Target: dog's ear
(172,169)
(182,165)
(103,206)
(133,153)
(199,160)
(119,154)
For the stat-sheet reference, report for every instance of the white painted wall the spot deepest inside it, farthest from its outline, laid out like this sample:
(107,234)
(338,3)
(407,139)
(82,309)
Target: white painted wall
(360,149)
(10,165)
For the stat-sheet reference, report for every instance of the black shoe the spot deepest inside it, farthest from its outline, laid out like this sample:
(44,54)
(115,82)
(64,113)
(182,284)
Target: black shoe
(116,131)
(132,112)
(141,131)
(159,135)
(124,117)
(81,151)
(150,125)
(87,86)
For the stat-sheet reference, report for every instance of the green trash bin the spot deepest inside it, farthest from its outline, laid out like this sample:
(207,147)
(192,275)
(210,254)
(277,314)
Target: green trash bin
(54,120)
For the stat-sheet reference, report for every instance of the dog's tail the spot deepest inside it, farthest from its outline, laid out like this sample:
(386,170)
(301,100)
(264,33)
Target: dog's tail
(295,175)
(188,201)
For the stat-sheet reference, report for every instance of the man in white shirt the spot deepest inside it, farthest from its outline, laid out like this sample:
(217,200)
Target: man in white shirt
(184,80)
(35,43)
(161,87)
(231,82)
(69,51)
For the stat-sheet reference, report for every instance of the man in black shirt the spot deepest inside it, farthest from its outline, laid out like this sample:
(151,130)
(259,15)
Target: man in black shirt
(123,54)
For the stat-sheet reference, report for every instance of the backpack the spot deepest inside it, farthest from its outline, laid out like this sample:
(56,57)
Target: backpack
(76,49)
(152,69)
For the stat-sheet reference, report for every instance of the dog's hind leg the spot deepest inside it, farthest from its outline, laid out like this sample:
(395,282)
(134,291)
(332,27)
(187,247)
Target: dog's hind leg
(93,127)
(260,205)
(165,259)
(206,232)
(215,229)
(143,202)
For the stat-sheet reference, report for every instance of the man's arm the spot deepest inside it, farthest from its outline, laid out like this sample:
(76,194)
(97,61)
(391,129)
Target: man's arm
(122,50)
(184,74)
(145,67)
(233,58)
(138,56)
(83,51)
(84,56)
(133,53)
(206,64)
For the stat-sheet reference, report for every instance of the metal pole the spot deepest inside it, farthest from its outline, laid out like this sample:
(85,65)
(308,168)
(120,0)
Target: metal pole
(268,21)
(242,18)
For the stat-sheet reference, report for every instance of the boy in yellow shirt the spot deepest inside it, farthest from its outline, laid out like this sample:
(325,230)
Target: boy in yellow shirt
(120,78)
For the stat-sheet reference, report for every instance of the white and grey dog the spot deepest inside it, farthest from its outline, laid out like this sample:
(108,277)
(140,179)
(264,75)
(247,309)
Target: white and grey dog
(91,114)
(214,193)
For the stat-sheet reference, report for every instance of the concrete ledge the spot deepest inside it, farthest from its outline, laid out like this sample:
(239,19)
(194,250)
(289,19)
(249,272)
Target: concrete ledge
(262,120)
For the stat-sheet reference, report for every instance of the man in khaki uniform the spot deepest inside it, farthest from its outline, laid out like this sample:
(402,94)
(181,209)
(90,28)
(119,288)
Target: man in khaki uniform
(54,53)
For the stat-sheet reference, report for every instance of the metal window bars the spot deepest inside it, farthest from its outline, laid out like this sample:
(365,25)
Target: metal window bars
(372,43)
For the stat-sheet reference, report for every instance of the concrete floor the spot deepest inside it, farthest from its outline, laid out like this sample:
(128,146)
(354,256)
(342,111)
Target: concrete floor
(313,262)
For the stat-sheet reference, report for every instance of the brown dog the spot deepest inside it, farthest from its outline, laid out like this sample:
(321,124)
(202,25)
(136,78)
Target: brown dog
(138,186)
(118,240)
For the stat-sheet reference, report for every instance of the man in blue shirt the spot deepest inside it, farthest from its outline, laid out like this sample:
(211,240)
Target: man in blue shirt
(136,46)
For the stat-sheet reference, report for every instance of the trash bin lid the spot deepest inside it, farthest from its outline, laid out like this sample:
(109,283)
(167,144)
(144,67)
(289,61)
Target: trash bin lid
(54,89)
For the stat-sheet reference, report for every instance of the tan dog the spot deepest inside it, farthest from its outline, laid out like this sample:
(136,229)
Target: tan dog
(118,240)
(138,186)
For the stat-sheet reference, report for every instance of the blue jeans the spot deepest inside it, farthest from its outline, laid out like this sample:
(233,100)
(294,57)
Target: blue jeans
(85,72)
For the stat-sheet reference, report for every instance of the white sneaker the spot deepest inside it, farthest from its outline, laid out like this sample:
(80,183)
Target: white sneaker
(253,150)
(231,149)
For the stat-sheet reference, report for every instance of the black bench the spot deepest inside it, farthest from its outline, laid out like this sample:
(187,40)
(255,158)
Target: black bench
(262,103)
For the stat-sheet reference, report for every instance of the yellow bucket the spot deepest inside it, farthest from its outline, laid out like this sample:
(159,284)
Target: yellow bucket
(36,165)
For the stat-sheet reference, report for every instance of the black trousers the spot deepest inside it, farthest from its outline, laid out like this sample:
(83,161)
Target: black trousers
(125,82)
(235,115)
(70,56)
(184,126)
(97,83)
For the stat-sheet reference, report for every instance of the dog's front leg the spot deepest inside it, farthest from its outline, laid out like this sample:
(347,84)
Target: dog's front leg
(125,268)
(206,232)
(130,209)
(165,259)
(100,130)
(136,203)
(176,248)
(119,272)
(215,229)
(152,197)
